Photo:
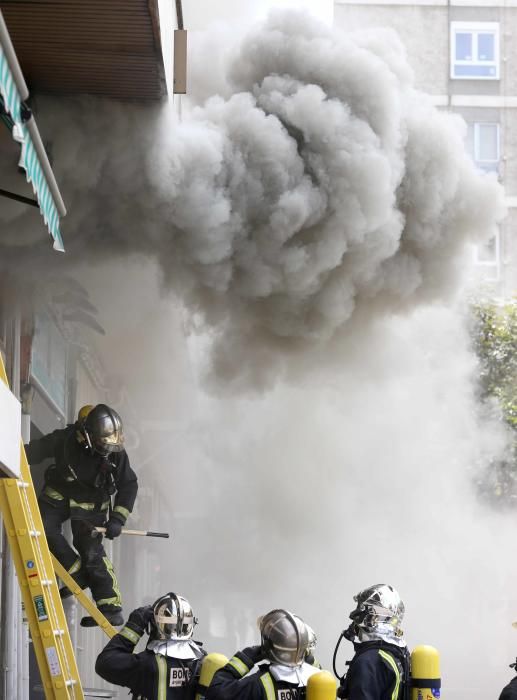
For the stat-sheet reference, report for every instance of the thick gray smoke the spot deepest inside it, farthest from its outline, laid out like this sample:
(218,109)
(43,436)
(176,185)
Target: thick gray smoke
(318,186)
(304,495)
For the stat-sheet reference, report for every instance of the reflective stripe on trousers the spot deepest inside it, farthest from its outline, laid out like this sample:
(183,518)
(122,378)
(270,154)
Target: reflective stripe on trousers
(117,599)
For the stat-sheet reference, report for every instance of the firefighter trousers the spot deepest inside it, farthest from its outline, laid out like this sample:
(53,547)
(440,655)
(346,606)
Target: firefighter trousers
(89,564)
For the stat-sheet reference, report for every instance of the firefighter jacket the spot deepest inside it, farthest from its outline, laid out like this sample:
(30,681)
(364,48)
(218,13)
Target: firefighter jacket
(149,676)
(509,692)
(235,682)
(87,480)
(378,671)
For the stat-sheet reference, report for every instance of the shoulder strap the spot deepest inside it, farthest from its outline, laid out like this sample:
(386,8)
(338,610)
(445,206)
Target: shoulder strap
(267,681)
(196,670)
(393,663)
(161,685)
(396,659)
(359,649)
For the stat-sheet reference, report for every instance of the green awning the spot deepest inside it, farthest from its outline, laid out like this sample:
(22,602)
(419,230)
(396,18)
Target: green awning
(33,158)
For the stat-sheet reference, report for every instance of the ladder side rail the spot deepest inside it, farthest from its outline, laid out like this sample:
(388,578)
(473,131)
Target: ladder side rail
(38,583)
(39,649)
(35,570)
(83,599)
(56,604)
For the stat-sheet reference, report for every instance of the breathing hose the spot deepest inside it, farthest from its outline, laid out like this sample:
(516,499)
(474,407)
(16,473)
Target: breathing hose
(338,644)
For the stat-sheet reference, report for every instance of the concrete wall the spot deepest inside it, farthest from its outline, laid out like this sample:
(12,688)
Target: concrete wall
(425,32)
(421,31)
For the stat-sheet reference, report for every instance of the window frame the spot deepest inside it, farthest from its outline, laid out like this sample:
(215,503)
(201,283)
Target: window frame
(491,264)
(477,142)
(474,28)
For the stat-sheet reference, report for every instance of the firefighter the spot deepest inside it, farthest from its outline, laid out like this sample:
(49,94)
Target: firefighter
(284,673)
(169,667)
(89,466)
(311,648)
(380,668)
(509,692)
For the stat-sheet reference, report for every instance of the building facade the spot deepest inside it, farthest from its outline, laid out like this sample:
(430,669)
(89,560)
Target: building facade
(464,55)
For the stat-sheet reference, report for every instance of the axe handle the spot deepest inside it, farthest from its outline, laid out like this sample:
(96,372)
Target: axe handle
(140,533)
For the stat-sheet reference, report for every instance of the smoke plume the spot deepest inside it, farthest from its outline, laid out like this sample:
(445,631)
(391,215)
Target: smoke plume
(314,190)
(320,184)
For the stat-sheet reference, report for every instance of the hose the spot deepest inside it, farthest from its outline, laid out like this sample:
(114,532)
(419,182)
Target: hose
(338,644)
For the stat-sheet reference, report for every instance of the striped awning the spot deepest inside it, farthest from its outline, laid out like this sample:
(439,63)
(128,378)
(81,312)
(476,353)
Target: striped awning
(33,158)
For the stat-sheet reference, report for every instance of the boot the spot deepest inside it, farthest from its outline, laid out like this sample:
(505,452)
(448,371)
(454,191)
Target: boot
(113,616)
(81,580)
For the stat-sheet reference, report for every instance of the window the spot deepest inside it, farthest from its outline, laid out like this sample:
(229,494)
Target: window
(487,256)
(483,141)
(48,360)
(475,50)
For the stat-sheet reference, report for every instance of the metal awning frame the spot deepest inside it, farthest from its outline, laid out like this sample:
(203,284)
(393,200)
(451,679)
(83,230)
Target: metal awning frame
(33,159)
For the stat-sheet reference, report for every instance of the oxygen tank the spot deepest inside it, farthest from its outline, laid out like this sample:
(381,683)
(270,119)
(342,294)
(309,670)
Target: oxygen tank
(211,663)
(425,673)
(321,686)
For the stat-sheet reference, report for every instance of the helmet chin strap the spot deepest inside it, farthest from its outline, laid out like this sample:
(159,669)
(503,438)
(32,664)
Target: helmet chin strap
(87,438)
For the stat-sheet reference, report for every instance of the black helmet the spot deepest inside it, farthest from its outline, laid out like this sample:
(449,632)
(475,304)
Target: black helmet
(103,430)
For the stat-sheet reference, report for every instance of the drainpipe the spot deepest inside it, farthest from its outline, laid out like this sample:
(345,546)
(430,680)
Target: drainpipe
(180,57)
(26,394)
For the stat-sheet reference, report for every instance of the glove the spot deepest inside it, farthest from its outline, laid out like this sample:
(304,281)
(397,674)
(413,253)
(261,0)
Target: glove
(254,654)
(113,528)
(140,618)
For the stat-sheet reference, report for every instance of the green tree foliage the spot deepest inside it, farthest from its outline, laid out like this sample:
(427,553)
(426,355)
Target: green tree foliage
(495,342)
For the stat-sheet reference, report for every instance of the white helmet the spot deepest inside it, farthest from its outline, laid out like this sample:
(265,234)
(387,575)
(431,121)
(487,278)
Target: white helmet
(284,637)
(378,614)
(173,618)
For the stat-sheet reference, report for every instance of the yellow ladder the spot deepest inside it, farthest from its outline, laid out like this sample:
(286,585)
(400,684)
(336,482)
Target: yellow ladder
(35,567)
(81,596)
(40,594)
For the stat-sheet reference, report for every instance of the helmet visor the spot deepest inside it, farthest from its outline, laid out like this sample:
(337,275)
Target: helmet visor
(110,443)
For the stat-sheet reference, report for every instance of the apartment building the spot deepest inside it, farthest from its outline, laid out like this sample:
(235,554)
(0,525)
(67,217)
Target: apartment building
(464,55)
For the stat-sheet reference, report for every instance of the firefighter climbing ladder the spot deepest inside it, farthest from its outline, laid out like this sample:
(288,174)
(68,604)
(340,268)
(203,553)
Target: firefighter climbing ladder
(35,571)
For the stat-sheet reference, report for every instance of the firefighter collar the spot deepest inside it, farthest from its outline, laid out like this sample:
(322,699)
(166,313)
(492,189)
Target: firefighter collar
(174,649)
(298,675)
(381,635)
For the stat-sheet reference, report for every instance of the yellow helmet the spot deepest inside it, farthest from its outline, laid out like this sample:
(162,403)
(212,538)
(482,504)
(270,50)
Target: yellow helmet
(83,412)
